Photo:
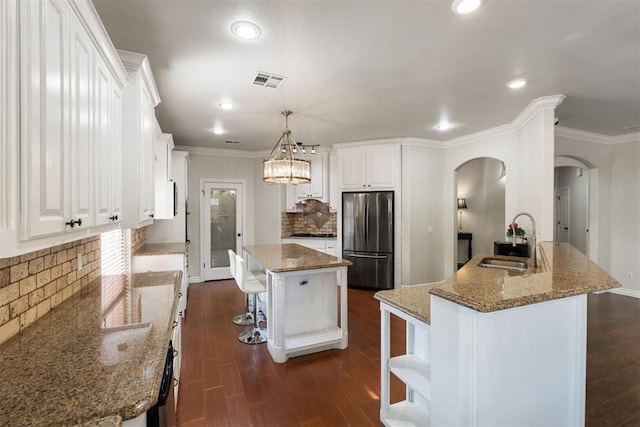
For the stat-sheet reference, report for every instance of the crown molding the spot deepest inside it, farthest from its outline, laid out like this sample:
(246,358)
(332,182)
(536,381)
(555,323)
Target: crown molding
(625,138)
(534,107)
(483,134)
(88,16)
(582,135)
(422,142)
(138,63)
(225,152)
(368,143)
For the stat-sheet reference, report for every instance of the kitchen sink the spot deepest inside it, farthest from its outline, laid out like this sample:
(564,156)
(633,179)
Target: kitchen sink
(504,264)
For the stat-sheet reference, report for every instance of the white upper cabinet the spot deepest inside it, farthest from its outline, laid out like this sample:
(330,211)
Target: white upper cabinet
(368,168)
(164,191)
(59,76)
(316,188)
(45,113)
(140,99)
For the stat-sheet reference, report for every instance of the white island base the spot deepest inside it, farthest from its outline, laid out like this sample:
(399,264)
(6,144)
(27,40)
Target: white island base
(307,312)
(523,366)
(306,299)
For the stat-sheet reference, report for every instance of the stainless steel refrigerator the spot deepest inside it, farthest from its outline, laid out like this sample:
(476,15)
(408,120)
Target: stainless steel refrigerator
(367,238)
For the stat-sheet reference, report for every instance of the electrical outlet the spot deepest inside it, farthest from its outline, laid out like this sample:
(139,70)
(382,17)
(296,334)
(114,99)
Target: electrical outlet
(629,274)
(79,262)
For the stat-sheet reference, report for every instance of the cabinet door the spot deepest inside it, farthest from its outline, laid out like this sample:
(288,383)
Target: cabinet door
(381,166)
(115,159)
(44,56)
(145,206)
(316,187)
(102,134)
(353,168)
(83,139)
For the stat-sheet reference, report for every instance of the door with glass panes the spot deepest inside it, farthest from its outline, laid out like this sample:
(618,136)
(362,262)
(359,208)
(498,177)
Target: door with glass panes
(221,227)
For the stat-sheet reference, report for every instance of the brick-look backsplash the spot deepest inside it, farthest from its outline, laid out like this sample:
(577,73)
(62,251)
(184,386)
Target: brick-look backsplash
(34,283)
(292,223)
(138,239)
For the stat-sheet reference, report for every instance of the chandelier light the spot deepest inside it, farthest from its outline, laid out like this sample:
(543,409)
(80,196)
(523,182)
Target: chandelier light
(286,164)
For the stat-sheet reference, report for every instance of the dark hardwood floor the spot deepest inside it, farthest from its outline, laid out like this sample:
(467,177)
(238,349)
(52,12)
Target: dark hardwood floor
(227,383)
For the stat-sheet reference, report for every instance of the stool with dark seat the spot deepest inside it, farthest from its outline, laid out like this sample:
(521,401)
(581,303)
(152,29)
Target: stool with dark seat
(250,285)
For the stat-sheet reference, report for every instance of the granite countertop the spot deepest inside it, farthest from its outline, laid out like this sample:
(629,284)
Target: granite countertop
(95,359)
(563,271)
(162,249)
(293,257)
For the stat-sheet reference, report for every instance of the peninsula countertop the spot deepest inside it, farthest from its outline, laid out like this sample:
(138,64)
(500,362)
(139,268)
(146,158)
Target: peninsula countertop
(293,257)
(97,355)
(563,271)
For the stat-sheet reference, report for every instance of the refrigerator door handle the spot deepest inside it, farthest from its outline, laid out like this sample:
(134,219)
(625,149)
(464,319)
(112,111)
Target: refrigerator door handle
(366,256)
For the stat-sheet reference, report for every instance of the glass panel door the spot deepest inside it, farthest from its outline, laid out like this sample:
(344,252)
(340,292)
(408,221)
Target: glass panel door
(222,227)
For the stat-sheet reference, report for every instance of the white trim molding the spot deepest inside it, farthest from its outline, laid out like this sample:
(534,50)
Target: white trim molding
(622,139)
(626,292)
(139,63)
(581,135)
(195,279)
(207,151)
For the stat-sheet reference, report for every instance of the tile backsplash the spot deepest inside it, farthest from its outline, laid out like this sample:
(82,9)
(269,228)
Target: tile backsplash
(315,218)
(34,283)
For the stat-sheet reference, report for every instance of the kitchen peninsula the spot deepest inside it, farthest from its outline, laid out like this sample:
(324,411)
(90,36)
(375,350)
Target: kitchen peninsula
(97,356)
(306,299)
(492,346)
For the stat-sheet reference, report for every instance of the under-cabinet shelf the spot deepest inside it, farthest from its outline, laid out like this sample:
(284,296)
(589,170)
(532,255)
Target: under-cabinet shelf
(414,372)
(407,414)
(313,338)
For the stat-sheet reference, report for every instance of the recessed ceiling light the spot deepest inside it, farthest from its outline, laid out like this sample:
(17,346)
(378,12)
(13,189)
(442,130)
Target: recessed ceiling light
(246,30)
(226,105)
(462,7)
(517,83)
(217,130)
(442,126)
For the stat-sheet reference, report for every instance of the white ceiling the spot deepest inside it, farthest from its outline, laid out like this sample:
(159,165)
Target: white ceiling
(359,70)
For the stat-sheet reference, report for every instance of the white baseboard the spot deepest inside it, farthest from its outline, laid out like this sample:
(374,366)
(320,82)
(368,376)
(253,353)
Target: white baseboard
(194,279)
(626,292)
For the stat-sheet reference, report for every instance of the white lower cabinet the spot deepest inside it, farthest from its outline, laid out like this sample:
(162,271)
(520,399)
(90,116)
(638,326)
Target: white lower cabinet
(328,246)
(168,262)
(412,368)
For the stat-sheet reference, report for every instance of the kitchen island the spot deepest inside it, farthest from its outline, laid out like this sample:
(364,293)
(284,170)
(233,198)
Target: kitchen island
(494,347)
(306,299)
(96,359)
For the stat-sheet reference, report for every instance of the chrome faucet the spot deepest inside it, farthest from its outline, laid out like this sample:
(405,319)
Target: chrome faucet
(531,239)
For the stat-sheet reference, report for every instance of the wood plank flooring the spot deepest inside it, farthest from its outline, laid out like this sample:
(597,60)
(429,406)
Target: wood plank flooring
(227,383)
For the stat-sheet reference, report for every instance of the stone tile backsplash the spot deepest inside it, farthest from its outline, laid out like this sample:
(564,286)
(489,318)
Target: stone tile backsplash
(34,283)
(307,221)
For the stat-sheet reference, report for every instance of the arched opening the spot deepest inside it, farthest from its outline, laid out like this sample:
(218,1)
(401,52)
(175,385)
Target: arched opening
(480,186)
(575,213)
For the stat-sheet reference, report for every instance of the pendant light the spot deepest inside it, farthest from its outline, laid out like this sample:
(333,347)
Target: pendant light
(286,164)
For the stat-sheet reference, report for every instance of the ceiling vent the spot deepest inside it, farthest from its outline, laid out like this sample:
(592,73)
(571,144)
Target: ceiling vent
(268,79)
(634,128)
(231,141)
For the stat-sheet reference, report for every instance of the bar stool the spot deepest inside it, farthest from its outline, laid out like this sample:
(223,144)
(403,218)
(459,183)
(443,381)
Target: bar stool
(246,318)
(249,284)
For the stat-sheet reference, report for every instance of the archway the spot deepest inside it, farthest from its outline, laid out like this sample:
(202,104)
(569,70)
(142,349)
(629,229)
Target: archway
(574,189)
(481,183)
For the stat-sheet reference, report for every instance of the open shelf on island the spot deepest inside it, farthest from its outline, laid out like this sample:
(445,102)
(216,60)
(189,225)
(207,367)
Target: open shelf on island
(405,414)
(414,372)
(313,338)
